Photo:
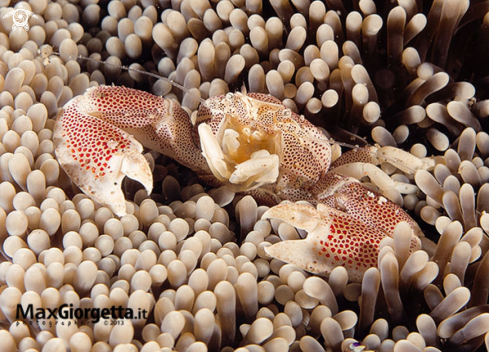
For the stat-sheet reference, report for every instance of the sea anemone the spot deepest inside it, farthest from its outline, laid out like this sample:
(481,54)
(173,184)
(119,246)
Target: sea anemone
(409,74)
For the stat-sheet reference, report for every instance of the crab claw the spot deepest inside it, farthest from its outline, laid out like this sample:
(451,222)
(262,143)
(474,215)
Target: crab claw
(334,239)
(370,207)
(301,216)
(97,155)
(100,135)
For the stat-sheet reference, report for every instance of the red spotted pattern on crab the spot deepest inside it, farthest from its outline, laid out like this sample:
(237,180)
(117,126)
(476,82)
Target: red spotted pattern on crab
(334,238)
(248,143)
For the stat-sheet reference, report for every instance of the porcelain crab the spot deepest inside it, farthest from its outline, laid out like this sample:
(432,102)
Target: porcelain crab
(248,142)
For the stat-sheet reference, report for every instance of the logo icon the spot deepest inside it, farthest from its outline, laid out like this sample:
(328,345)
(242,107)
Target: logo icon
(20,18)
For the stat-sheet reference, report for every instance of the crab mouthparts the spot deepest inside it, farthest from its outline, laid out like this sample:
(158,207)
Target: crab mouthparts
(242,158)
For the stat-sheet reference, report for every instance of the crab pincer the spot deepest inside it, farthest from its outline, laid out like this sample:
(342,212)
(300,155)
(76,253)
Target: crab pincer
(334,238)
(99,138)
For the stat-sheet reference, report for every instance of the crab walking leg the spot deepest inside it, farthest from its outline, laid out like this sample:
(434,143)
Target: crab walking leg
(386,185)
(97,138)
(401,159)
(334,239)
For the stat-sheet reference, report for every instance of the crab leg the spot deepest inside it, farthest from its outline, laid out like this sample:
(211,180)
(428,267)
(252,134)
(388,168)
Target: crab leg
(100,135)
(401,159)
